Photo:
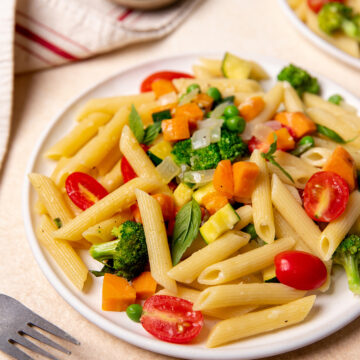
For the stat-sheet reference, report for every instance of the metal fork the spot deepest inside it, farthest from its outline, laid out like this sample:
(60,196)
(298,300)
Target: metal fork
(16,320)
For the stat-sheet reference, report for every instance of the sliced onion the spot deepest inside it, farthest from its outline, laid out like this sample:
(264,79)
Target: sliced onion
(186,98)
(262,132)
(200,177)
(167,169)
(215,134)
(201,138)
(210,123)
(219,110)
(275,125)
(169,98)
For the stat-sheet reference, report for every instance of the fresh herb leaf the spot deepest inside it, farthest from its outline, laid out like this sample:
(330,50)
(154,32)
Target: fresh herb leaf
(151,133)
(304,144)
(155,159)
(186,229)
(161,115)
(136,125)
(331,134)
(58,222)
(272,280)
(106,269)
(336,99)
(250,229)
(269,156)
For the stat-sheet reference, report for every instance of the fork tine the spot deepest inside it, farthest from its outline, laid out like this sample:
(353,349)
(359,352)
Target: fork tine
(15,352)
(43,324)
(31,346)
(30,331)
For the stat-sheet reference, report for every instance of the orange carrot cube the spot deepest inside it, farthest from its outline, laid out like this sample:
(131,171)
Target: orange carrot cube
(251,107)
(298,122)
(245,175)
(189,111)
(223,179)
(284,140)
(214,201)
(144,285)
(175,129)
(161,87)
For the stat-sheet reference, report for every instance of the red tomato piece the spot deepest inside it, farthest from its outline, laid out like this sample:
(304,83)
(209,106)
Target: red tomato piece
(127,171)
(255,143)
(325,196)
(166,75)
(171,319)
(316,5)
(84,190)
(300,270)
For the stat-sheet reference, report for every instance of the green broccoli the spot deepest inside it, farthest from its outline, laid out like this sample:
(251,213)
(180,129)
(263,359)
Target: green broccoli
(336,99)
(182,152)
(205,158)
(348,255)
(332,15)
(127,256)
(351,27)
(299,79)
(231,146)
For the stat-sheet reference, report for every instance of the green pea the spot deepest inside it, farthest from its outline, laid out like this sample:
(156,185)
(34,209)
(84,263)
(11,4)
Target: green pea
(214,93)
(235,123)
(192,87)
(336,99)
(134,312)
(304,144)
(231,110)
(306,140)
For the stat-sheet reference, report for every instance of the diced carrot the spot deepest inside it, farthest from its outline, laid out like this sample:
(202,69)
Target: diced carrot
(161,87)
(223,179)
(342,163)
(175,129)
(214,201)
(204,101)
(167,205)
(298,122)
(284,140)
(251,107)
(245,175)
(135,211)
(144,285)
(117,293)
(189,111)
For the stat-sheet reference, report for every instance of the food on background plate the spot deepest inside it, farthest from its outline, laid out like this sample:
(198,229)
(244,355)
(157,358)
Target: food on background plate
(206,197)
(336,21)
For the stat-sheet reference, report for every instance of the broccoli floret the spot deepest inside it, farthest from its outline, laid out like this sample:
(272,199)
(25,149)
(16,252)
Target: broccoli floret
(332,15)
(299,79)
(351,27)
(205,158)
(348,255)
(231,146)
(128,253)
(182,152)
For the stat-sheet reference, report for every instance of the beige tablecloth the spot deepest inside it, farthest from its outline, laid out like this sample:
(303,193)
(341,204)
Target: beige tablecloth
(256,26)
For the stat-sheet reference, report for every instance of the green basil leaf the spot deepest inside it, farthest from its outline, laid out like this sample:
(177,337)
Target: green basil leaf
(151,133)
(161,115)
(136,125)
(331,134)
(187,223)
(300,149)
(274,162)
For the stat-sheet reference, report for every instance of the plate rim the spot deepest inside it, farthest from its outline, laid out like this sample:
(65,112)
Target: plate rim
(151,344)
(316,39)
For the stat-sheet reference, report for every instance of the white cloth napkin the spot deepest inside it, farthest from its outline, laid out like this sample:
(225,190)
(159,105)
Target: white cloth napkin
(54,32)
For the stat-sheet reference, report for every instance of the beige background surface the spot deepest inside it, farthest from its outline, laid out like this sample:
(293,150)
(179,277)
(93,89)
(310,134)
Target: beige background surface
(256,26)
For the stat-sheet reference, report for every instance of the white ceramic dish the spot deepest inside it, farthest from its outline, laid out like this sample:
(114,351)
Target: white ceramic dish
(317,40)
(325,318)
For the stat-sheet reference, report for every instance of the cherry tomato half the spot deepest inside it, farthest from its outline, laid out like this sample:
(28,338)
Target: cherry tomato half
(316,5)
(84,190)
(166,75)
(325,196)
(127,171)
(300,270)
(171,319)
(255,143)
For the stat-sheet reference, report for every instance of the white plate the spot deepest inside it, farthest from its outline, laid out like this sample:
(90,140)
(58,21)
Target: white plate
(326,317)
(316,39)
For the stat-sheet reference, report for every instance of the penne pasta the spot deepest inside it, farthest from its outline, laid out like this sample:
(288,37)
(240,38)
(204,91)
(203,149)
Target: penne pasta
(292,100)
(246,216)
(156,240)
(113,179)
(316,156)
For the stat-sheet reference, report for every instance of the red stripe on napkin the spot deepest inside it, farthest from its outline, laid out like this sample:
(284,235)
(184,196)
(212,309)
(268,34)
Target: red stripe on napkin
(125,14)
(38,56)
(36,38)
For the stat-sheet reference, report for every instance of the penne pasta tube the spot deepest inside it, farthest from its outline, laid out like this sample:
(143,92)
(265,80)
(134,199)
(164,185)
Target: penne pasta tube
(260,321)
(117,201)
(295,215)
(156,240)
(113,179)
(220,313)
(109,161)
(78,136)
(201,72)
(292,100)
(244,264)
(189,269)
(52,198)
(111,105)
(62,252)
(246,294)
(246,216)
(272,100)
(316,156)
(335,232)
(101,232)
(97,148)
(263,217)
